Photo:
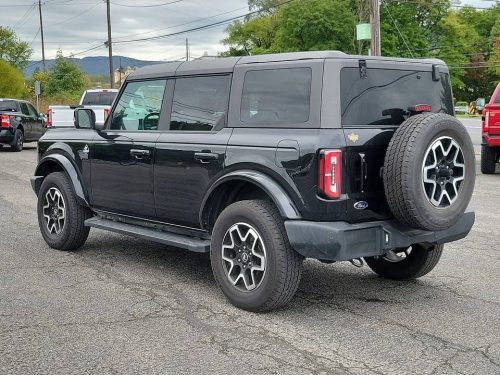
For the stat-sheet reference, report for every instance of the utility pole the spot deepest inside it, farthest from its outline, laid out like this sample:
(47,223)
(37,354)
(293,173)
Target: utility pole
(110,47)
(375,27)
(41,32)
(187,49)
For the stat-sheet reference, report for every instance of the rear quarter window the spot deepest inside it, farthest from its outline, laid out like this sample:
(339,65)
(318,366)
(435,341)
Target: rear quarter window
(384,96)
(276,96)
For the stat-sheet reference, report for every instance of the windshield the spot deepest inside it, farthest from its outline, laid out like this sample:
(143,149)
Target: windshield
(8,106)
(99,98)
(384,96)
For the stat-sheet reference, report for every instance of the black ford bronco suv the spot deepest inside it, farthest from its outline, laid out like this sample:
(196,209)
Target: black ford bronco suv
(266,160)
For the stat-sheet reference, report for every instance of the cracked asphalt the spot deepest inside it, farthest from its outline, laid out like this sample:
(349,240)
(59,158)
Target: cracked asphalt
(121,305)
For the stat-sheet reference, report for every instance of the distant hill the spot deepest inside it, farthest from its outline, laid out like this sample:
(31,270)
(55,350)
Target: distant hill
(94,65)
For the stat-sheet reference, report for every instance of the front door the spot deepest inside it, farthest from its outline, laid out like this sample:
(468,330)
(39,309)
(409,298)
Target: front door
(26,121)
(122,155)
(190,155)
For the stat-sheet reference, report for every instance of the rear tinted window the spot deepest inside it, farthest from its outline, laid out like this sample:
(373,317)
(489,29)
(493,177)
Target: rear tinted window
(8,106)
(276,96)
(497,99)
(99,98)
(384,96)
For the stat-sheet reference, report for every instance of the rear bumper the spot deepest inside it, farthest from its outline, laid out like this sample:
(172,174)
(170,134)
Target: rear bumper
(338,241)
(491,140)
(6,136)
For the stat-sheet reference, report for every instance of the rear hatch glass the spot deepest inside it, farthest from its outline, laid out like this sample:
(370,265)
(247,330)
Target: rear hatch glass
(98,98)
(384,96)
(8,106)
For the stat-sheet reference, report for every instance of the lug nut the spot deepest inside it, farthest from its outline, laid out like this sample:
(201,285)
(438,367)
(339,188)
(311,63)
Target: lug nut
(239,260)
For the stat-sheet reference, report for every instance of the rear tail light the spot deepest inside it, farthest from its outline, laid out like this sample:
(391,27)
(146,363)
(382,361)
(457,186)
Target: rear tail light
(420,108)
(5,121)
(49,117)
(486,121)
(330,171)
(106,113)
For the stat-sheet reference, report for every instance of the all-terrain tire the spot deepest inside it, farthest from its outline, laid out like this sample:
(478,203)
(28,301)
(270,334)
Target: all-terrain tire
(488,159)
(403,173)
(420,261)
(74,233)
(18,142)
(283,266)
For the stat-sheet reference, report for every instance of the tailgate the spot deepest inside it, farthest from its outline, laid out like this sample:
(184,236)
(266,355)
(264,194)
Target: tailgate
(493,113)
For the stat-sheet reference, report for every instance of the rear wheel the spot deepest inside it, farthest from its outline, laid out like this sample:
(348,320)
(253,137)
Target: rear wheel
(251,258)
(60,217)
(18,143)
(406,263)
(488,159)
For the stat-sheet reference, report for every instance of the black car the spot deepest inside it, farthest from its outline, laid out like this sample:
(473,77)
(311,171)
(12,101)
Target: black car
(265,160)
(20,123)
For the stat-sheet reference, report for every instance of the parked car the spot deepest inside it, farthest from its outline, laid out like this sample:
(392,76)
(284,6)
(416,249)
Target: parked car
(490,148)
(99,100)
(266,160)
(20,123)
(461,107)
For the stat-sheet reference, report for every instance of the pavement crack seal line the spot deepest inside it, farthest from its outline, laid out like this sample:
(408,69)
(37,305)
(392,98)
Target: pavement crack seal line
(461,349)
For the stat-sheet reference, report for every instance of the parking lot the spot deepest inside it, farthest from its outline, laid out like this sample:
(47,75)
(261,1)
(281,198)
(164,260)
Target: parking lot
(121,305)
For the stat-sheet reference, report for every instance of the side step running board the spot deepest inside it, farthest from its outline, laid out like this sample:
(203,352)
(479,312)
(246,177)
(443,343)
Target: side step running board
(172,239)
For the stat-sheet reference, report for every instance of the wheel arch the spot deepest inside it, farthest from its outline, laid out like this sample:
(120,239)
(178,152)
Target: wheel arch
(60,163)
(244,184)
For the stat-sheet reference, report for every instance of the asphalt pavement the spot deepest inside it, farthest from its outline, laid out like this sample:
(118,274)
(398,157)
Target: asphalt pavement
(121,305)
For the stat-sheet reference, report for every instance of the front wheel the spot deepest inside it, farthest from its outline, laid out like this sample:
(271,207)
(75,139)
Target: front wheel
(60,217)
(251,258)
(406,263)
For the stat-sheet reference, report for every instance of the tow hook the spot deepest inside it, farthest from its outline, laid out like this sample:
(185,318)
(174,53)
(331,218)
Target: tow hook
(391,256)
(357,262)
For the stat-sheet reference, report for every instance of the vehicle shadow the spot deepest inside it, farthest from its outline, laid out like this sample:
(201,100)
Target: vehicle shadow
(7,149)
(339,285)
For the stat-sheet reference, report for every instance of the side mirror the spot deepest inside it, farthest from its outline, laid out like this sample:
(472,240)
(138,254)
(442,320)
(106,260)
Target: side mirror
(84,118)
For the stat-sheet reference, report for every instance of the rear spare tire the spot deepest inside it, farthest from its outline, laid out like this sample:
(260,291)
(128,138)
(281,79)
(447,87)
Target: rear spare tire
(429,171)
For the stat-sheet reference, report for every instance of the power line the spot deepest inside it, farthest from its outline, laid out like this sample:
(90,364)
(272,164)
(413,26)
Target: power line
(147,6)
(399,32)
(218,23)
(76,16)
(184,23)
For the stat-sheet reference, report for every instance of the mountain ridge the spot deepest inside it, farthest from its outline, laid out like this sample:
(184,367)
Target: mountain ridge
(93,65)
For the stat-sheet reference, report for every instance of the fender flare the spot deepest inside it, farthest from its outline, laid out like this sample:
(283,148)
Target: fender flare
(279,196)
(69,169)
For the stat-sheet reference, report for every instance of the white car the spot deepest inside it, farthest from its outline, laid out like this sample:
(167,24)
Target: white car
(99,100)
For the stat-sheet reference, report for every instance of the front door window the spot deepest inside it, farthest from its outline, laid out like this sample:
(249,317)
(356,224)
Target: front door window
(139,106)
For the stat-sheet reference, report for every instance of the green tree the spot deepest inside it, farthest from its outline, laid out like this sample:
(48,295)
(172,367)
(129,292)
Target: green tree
(316,25)
(65,77)
(293,26)
(38,75)
(12,50)
(11,81)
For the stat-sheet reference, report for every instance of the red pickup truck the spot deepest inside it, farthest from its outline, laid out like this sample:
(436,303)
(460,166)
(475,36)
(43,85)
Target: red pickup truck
(490,148)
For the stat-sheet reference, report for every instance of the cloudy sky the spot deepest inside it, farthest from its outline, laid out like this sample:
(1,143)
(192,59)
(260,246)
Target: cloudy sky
(79,26)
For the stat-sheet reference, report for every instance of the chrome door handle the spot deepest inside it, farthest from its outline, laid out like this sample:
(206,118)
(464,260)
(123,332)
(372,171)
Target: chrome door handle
(140,154)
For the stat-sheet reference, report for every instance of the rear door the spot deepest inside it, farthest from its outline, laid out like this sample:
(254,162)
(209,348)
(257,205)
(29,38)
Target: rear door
(122,155)
(26,121)
(191,153)
(374,102)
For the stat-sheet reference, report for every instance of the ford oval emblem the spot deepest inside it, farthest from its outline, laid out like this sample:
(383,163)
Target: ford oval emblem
(361,205)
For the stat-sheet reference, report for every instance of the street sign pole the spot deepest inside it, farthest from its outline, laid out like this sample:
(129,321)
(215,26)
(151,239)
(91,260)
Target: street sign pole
(37,93)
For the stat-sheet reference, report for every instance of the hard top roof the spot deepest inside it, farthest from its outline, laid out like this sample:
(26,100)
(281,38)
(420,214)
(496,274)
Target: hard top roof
(227,64)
